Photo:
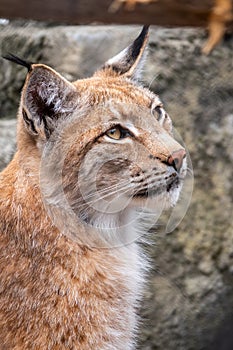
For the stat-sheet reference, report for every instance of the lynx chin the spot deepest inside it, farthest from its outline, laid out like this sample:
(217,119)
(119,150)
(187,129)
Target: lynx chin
(96,162)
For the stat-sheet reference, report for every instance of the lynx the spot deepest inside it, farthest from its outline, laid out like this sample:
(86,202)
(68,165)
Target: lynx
(94,158)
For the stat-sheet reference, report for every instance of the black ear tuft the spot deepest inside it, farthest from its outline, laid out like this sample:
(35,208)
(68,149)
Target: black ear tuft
(128,63)
(138,42)
(17,60)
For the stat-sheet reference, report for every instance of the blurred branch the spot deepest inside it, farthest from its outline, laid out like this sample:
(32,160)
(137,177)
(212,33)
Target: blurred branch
(160,12)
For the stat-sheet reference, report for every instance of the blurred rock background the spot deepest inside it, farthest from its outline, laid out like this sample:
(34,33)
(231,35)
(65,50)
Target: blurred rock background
(189,298)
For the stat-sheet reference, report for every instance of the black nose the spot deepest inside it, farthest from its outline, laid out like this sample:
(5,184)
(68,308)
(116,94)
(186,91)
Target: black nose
(176,159)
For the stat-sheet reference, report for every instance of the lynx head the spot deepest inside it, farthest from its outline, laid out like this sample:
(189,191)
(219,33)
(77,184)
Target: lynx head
(103,146)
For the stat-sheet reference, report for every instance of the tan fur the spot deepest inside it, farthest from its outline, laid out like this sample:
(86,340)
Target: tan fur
(57,292)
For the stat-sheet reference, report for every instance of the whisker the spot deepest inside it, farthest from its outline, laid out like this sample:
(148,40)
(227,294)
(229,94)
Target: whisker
(120,187)
(190,171)
(106,195)
(104,190)
(152,80)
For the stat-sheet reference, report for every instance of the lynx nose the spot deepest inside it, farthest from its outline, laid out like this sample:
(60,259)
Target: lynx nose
(176,159)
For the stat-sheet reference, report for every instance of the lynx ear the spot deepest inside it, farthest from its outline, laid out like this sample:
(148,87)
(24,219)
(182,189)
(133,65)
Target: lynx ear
(128,62)
(46,97)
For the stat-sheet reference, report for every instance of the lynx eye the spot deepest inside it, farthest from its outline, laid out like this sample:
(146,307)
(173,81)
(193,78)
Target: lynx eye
(118,133)
(160,113)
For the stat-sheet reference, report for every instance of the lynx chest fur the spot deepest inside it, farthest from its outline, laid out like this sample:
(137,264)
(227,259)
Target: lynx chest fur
(93,157)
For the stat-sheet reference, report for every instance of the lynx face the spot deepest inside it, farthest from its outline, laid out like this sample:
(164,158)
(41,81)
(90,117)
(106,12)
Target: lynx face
(127,164)
(105,143)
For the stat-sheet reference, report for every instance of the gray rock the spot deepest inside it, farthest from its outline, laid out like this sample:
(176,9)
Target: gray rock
(7,141)
(189,300)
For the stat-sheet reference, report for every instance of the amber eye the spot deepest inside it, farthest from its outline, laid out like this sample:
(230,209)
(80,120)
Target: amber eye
(118,133)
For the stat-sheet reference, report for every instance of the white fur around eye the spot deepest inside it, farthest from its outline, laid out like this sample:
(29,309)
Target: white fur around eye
(134,131)
(123,140)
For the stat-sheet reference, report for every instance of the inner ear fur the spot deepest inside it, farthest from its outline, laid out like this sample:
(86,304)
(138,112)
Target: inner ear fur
(128,63)
(46,96)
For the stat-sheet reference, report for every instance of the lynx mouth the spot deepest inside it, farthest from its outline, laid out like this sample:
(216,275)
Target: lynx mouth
(152,191)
